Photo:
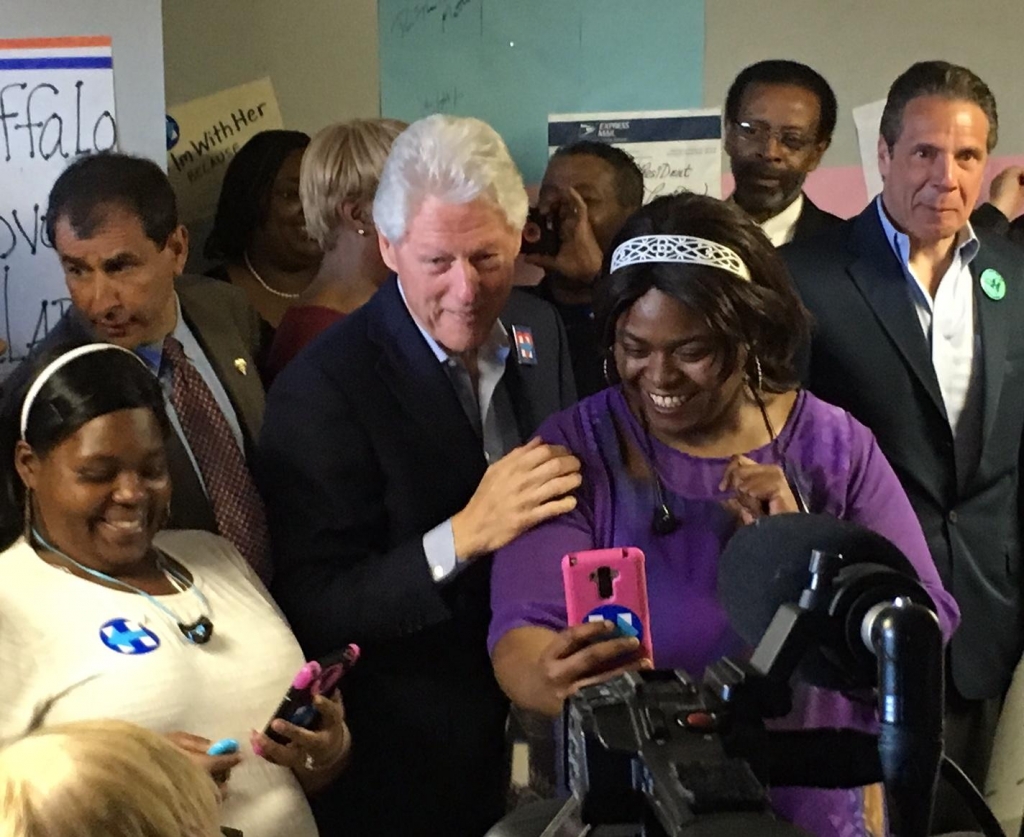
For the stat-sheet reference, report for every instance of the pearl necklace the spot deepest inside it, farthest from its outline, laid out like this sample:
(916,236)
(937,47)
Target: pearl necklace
(266,287)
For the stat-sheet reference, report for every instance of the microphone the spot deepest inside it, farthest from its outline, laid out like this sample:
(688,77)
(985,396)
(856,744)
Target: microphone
(766,564)
(872,624)
(907,641)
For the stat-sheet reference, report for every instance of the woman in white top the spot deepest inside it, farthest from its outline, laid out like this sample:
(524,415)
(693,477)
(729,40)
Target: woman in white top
(104,616)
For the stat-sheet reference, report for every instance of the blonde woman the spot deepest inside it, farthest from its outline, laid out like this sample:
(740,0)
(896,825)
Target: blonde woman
(337,182)
(103,779)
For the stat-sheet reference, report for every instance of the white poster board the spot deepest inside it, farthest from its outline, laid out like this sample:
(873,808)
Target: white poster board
(204,134)
(868,119)
(675,149)
(1004,787)
(56,102)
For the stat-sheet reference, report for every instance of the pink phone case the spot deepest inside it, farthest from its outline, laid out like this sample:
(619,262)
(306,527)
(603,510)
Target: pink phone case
(609,584)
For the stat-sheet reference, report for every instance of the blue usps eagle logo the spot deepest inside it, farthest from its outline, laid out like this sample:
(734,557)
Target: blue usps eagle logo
(127,637)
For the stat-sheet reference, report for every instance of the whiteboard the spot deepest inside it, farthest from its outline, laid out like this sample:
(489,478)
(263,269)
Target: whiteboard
(56,103)
(513,62)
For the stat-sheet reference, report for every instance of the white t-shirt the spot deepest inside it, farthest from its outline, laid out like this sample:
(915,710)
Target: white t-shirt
(119,656)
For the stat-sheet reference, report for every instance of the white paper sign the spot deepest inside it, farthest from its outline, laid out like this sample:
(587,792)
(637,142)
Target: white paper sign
(56,102)
(204,134)
(868,118)
(675,149)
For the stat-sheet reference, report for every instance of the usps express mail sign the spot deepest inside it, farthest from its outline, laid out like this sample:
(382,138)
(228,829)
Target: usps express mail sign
(675,149)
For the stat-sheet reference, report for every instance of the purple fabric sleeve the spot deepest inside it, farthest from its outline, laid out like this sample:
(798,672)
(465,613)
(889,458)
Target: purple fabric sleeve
(876,500)
(526,579)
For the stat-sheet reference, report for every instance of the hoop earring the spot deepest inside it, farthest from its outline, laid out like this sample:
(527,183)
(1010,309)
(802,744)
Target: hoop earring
(607,372)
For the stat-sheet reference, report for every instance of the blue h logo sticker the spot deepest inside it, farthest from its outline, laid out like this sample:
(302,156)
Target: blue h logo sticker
(127,637)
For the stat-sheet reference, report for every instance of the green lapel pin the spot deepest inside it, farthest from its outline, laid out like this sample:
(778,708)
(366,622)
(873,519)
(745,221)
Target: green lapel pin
(993,284)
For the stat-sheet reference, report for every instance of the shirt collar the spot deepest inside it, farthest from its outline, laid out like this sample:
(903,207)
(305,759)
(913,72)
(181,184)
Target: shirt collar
(153,353)
(967,245)
(495,348)
(779,228)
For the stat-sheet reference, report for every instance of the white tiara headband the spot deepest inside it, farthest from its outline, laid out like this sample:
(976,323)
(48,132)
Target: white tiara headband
(53,367)
(680,249)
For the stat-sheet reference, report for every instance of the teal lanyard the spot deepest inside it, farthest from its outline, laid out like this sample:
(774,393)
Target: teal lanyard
(198,632)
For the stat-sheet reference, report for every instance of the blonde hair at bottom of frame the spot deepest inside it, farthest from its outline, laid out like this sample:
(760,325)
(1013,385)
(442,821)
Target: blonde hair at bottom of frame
(103,779)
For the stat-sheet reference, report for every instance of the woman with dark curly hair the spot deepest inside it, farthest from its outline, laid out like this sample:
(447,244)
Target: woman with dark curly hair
(703,429)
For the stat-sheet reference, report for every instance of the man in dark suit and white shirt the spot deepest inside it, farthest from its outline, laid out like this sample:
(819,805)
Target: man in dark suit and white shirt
(395,458)
(113,221)
(918,334)
(779,119)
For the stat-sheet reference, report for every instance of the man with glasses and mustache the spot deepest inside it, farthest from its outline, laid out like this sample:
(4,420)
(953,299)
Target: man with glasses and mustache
(779,119)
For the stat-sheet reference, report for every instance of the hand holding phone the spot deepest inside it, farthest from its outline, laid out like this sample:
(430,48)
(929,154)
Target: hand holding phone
(313,679)
(609,585)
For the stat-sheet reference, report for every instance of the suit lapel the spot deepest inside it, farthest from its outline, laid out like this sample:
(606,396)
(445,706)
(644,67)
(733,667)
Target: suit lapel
(879,276)
(994,324)
(413,373)
(220,342)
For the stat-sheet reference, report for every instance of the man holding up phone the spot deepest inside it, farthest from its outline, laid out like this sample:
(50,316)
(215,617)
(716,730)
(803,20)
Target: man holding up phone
(588,191)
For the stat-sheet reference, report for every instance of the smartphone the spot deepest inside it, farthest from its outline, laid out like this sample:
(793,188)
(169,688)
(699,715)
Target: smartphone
(540,235)
(609,584)
(314,678)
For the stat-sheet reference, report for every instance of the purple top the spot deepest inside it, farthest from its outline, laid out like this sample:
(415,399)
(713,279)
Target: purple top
(830,457)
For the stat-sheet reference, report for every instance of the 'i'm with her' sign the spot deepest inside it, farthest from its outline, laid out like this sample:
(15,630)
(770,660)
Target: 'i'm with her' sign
(56,102)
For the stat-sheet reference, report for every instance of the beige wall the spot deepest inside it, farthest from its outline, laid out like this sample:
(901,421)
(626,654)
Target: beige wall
(321,55)
(323,59)
(861,46)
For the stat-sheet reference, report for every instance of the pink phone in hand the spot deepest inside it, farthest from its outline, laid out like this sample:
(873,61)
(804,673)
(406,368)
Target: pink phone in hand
(609,584)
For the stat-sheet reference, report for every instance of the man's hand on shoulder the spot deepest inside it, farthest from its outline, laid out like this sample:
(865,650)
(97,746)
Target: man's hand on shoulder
(530,484)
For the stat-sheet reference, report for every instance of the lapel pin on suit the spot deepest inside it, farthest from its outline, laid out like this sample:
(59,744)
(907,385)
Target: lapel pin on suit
(526,352)
(241,365)
(993,284)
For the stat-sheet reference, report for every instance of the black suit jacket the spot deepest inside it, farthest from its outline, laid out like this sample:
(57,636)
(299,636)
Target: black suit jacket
(228,329)
(870,356)
(365,448)
(813,220)
(987,217)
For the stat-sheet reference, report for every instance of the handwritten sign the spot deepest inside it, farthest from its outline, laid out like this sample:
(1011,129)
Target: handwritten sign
(513,63)
(56,102)
(204,134)
(676,149)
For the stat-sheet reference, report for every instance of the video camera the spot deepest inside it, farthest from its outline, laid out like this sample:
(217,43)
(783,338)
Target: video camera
(682,758)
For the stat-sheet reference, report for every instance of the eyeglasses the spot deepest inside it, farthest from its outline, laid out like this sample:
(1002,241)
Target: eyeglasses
(759,132)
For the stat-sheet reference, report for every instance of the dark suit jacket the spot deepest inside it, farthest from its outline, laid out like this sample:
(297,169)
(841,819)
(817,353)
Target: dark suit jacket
(870,356)
(813,220)
(227,328)
(365,448)
(987,217)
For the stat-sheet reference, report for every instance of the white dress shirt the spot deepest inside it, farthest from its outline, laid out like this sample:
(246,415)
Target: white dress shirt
(781,228)
(948,319)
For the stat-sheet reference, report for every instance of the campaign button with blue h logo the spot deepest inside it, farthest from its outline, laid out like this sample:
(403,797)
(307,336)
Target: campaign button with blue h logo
(626,622)
(127,637)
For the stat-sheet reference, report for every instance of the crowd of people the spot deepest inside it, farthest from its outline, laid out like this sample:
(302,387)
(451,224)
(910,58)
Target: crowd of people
(356,430)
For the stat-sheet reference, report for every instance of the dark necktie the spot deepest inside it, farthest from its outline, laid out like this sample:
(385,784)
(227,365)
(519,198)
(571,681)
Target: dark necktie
(229,485)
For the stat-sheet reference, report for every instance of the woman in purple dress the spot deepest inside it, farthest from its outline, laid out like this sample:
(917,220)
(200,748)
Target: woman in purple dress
(703,429)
